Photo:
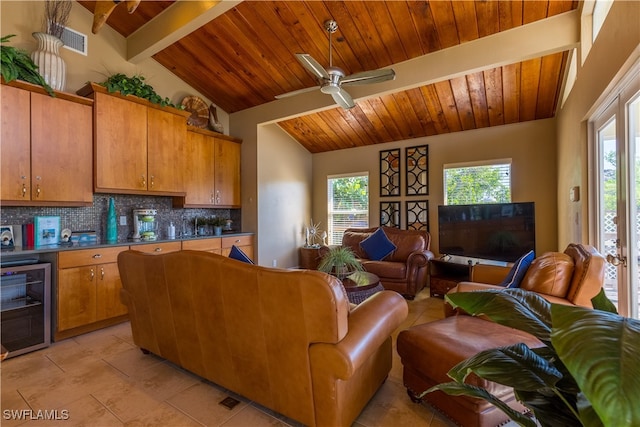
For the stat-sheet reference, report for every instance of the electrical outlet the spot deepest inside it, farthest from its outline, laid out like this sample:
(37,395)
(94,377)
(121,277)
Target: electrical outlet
(123,220)
(274,263)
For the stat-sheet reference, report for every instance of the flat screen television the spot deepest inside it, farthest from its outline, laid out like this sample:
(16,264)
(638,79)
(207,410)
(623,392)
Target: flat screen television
(497,231)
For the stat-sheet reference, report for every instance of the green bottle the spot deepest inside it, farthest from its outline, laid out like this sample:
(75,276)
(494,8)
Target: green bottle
(112,226)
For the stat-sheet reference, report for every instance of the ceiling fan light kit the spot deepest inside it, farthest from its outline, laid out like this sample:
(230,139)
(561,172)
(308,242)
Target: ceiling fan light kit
(331,79)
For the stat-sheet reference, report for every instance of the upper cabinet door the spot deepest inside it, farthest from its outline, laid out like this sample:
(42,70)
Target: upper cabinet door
(120,154)
(15,140)
(227,170)
(61,150)
(199,173)
(167,133)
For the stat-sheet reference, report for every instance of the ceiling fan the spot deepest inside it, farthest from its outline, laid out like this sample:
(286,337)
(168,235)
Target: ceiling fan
(332,78)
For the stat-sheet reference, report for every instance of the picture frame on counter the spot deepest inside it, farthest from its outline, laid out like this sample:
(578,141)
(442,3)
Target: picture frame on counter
(47,230)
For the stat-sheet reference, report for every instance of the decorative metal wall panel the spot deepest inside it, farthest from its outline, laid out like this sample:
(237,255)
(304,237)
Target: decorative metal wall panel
(390,172)
(417,215)
(417,164)
(390,214)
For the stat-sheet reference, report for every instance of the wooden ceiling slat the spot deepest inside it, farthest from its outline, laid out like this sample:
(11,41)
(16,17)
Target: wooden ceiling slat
(445,23)
(387,30)
(366,127)
(460,90)
(510,14)
(548,89)
(493,89)
(530,79)
(380,107)
(349,117)
(406,32)
(464,13)
(534,10)
(434,107)
(511,92)
(344,137)
(419,107)
(448,105)
(488,16)
(478,97)
(410,125)
(368,110)
(425,26)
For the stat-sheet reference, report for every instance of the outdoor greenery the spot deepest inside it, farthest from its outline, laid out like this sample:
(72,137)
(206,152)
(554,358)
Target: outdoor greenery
(585,374)
(349,205)
(478,184)
(17,65)
(136,86)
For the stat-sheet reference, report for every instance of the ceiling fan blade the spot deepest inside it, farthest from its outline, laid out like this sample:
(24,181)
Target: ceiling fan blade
(312,65)
(296,92)
(366,77)
(343,99)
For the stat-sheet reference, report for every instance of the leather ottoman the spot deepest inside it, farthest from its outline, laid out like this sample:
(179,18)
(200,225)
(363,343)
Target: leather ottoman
(430,350)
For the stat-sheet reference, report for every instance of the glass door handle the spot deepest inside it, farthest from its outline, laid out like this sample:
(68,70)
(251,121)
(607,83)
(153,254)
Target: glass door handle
(617,260)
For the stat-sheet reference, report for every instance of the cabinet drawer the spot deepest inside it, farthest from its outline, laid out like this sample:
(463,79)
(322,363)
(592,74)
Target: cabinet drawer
(202,244)
(158,248)
(95,256)
(227,242)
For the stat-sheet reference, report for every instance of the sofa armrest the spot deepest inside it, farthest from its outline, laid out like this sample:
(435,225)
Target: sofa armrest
(491,274)
(370,324)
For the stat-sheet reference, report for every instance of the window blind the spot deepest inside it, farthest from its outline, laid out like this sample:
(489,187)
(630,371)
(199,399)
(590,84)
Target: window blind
(348,200)
(489,183)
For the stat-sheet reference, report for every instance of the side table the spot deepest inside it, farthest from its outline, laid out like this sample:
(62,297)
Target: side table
(361,285)
(445,275)
(309,258)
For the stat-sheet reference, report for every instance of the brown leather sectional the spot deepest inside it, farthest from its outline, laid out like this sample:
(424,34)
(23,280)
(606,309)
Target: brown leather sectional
(405,269)
(286,339)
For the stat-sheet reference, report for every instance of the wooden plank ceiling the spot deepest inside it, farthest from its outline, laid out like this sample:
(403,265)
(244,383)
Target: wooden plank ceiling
(246,57)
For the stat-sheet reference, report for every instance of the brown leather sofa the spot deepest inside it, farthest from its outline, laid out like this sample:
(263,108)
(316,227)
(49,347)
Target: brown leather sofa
(570,277)
(286,339)
(405,269)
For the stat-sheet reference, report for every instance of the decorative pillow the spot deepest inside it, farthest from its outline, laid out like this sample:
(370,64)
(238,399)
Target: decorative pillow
(237,254)
(517,272)
(377,246)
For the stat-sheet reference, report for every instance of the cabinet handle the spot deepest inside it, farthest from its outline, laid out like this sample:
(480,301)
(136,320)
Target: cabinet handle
(24,190)
(101,273)
(158,249)
(213,198)
(37,190)
(92,274)
(217,197)
(144,181)
(152,181)
(237,241)
(97,256)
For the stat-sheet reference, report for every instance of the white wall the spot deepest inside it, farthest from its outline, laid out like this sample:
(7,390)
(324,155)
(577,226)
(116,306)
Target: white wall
(530,145)
(284,189)
(613,52)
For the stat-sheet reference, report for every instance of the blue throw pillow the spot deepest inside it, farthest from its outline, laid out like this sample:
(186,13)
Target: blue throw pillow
(237,254)
(517,272)
(377,246)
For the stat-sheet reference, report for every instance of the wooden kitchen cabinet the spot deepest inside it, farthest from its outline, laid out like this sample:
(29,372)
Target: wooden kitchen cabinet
(213,245)
(212,171)
(46,148)
(138,146)
(158,248)
(244,243)
(88,291)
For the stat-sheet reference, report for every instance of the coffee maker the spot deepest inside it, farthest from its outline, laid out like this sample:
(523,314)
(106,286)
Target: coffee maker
(145,224)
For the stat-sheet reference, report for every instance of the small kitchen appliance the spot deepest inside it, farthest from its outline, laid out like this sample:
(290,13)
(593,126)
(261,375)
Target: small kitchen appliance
(145,224)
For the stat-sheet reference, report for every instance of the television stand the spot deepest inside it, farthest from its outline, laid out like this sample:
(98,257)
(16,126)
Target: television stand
(444,275)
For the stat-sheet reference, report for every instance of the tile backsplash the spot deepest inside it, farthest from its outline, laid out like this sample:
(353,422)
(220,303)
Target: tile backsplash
(95,217)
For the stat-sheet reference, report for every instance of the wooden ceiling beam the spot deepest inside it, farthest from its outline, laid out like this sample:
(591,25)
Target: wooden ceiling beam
(180,19)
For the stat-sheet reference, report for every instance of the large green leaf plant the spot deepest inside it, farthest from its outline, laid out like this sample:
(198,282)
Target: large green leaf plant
(586,373)
(17,65)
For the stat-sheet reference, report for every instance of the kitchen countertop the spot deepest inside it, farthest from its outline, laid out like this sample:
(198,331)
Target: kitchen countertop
(19,251)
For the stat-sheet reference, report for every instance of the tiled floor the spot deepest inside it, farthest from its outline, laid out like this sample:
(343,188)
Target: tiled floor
(101,379)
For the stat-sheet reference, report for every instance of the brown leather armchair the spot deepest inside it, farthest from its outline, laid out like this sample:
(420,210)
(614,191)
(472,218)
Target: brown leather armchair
(405,269)
(570,277)
(286,339)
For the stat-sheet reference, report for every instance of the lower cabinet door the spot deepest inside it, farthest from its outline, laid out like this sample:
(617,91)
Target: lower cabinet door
(108,285)
(76,297)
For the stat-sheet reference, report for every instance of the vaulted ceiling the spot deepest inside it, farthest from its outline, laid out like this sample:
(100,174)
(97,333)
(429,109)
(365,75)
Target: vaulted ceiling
(243,55)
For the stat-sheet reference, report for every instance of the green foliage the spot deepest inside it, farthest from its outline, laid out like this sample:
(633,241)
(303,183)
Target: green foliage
(586,374)
(136,86)
(351,193)
(481,184)
(17,65)
(340,261)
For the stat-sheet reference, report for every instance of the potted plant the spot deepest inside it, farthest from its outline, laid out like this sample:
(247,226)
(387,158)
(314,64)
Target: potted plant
(340,261)
(586,374)
(17,65)
(218,223)
(135,86)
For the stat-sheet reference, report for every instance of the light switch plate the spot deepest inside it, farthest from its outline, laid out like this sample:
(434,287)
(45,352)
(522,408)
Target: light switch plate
(574,194)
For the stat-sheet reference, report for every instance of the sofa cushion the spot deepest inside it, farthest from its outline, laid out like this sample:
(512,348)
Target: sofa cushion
(549,274)
(237,254)
(377,246)
(386,269)
(518,271)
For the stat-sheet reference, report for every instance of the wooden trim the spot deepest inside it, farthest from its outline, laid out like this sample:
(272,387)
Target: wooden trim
(39,89)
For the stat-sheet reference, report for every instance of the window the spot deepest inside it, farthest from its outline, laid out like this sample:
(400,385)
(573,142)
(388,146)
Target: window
(486,182)
(348,201)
